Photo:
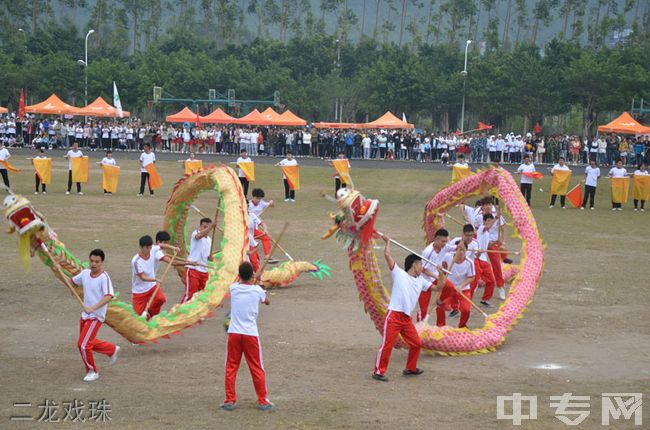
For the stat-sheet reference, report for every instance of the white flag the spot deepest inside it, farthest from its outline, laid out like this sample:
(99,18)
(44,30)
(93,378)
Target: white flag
(116,100)
(403,117)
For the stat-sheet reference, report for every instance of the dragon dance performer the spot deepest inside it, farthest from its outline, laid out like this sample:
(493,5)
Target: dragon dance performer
(471,245)
(254,223)
(408,284)
(144,281)
(196,276)
(495,243)
(243,338)
(257,205)
(434,252)
(98,291)
(461,277)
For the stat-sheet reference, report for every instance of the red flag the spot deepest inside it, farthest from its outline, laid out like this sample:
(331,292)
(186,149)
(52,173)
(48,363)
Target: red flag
(575,196)
(21,104)
(482,126)
(537,129)
(534,175)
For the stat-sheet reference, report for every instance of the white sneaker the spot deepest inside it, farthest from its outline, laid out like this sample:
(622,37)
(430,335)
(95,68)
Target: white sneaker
(91,376)
(619,209)
(67,192)
(44,192)
(582,208)
(152,195)
(115,354)
(635,209)
(592,208)
(37,193)
(293,200)
(550,206)
(80,193)
(138,195)
(502,293)
(613,209)
(287,200)
(642,210)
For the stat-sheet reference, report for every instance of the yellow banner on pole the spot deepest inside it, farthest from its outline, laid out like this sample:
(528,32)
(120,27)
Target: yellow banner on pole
(249,170)
(458,173)
(292,173)
(155,181)
(619,190)
(192,166)
(43,167)
(641,187)
(560,182)
(110,178)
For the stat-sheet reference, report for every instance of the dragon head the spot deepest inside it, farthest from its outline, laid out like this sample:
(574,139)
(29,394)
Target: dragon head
(354,220)
(21,214)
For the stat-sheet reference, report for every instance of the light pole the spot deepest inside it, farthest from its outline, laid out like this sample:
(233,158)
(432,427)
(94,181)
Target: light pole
(464,74)
(84,63)
(338,69)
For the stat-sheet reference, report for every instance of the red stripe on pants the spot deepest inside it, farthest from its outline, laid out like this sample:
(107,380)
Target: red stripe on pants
(448,300)
(250,347)
(484,272)
(254,258)
(495,260)
(266,241)
(395,324)
(87,343)
(140,301)
(194,281)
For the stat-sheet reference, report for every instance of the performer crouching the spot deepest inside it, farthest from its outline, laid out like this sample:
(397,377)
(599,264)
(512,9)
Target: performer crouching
(144,281)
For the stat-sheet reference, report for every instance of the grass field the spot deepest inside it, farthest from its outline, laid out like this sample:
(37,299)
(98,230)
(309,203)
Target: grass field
(589,316)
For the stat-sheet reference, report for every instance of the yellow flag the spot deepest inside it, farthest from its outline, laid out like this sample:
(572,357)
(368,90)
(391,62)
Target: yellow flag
(155,181)
(43,167)
(560,182)
(342,167)
(192,166)
(293,176)
(249,170)
(9,167)
(619,190)
(641,187)
(459,173)
(80,169)
(110,178)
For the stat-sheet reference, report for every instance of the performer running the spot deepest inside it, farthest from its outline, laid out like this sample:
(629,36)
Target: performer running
(144,281)
(257,205)
(434,252)
(407,286)
(243,158)
(289,194)
(243,338)
(196,276)
(73,153)
(471,245)
(147,157)
(461,277)
(98,291)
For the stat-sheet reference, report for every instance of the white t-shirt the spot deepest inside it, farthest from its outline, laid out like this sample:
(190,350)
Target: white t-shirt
(432,255)
(146,159)
(366,142)
(158,254)
(109,161)
(494,231)
(460,271)
(95,289)
(199,251)
(141,266)
(483,240)
(471,247)
(641,173)
(245,302)
(4,156)
(71,154)
(478,215)
(526,168)
(461,165)
(616,172)
(406,290)
(287,162)
(253,222)
(257,209)
(593,173)
(558,167)
(240,172)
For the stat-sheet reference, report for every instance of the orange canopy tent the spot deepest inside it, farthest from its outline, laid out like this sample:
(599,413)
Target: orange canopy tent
(270,115)
(388,120)
(100,108)
(342,125)
(289,118)
(185,115)
(4,110)
(624,124)
(253,118)
(218,117)
(52,106)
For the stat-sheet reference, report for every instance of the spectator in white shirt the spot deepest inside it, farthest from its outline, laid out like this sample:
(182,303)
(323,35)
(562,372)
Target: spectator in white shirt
(592,173)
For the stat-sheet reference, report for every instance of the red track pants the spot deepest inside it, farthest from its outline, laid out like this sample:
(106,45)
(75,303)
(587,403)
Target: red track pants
(239,344)
(495,260)
(254,258)
(425,299)
(266,241)
(140,301)
(465,308)
(395,324)
(484,272)
(194,281)
(87,343)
